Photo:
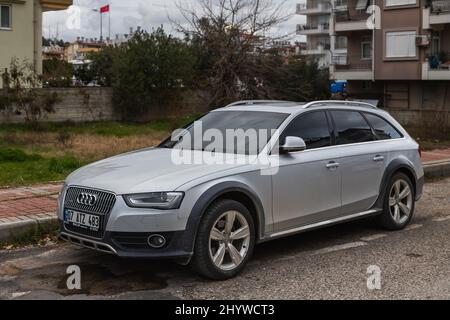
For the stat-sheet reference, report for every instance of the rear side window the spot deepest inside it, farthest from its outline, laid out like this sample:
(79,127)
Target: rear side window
(311,127)
(383,129)
(351,127)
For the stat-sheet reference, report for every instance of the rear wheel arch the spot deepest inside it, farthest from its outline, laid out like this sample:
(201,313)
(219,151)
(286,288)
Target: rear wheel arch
(396,166)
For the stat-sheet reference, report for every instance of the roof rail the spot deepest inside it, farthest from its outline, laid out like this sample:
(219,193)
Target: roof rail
(256,102)
(339,102)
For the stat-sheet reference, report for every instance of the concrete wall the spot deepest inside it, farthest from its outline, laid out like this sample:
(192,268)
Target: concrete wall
(95,104)
(411,102)
(24,39)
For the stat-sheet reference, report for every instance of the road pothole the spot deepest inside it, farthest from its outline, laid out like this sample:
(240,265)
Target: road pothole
(96,279)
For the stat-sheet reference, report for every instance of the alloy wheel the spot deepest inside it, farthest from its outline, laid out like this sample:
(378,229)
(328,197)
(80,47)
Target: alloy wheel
(229,240)
(400,201)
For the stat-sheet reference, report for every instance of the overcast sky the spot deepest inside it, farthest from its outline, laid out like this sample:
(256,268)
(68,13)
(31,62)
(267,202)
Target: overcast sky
(145,13)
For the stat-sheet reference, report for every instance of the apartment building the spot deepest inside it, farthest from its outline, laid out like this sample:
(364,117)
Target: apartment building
(404,62)
(21,30)
(81,48)
(322,45)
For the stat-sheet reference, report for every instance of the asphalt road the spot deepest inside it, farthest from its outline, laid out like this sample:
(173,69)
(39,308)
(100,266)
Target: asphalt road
(330,263)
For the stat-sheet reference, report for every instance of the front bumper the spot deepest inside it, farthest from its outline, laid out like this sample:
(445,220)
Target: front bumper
(134,245)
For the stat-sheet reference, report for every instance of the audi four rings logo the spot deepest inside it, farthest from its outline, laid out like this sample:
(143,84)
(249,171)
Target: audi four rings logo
(87,199)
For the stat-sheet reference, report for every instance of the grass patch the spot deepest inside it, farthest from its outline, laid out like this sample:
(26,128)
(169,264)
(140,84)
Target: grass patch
(109,128)
(50,151)
(16,155)
(42,235)
(19,168)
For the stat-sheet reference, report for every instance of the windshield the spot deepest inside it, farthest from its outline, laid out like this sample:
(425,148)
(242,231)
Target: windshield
(238,132)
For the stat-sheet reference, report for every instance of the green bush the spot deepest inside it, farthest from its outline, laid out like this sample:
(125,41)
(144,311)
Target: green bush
(64,164)
(16,155)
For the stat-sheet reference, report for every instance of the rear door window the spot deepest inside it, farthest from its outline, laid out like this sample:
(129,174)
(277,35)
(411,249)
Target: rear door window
(311,127)
(351,128)
(383,129)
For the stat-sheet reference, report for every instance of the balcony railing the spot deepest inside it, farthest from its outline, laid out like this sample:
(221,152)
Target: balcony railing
(438,6)
(313,6)
(317,49)
(439,62)
(318,27)
(349,16)
(351,63)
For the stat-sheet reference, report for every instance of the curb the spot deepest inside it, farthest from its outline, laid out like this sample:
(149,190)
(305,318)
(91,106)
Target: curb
(11,228)
(438,169)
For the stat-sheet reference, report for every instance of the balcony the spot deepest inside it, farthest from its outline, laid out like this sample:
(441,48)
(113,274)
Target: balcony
(343,69)
(351,20)
(313,8)
(436,12)
(436,68)
(55,5)
(304,29)
(320,49)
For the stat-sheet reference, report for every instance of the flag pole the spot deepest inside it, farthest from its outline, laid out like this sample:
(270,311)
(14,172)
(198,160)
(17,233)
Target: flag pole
(109,23)
(101,22)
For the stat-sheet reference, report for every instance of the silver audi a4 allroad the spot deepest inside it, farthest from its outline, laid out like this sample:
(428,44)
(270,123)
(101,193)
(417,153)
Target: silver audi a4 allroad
(206,199)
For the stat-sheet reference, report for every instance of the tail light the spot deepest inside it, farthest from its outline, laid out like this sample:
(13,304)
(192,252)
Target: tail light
(420,152)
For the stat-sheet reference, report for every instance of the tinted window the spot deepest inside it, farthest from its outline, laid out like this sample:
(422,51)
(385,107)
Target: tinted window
(238,132)
(311,127)
(351,127)
(383,129)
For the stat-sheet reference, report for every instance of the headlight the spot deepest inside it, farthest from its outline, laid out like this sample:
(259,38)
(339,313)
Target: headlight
(155,200)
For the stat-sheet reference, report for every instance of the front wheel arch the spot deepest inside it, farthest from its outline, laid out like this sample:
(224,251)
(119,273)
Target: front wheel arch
(221,191)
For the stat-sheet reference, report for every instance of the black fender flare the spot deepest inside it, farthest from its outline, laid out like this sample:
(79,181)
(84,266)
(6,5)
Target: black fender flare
(394,166)
(208,197)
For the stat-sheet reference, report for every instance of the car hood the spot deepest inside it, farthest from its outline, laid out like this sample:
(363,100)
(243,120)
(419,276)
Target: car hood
(148,170)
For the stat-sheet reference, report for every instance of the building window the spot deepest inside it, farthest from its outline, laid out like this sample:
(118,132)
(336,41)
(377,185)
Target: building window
(341,42)
(394,3)
(435,43)
(401,44)
(5,16)
(366,48)
(362,5)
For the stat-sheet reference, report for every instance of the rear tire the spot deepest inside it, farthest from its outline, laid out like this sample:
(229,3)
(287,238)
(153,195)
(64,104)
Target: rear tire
(225,240)
(399,203)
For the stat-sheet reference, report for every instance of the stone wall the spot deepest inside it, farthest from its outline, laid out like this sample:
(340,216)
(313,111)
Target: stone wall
(95,104)
(73,104)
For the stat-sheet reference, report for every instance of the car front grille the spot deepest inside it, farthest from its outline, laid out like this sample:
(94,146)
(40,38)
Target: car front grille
(103,206)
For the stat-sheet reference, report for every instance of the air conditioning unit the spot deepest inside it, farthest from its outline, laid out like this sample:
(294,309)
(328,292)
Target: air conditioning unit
(422,41)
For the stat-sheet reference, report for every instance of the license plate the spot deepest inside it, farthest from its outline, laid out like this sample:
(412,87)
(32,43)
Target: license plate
(83,220)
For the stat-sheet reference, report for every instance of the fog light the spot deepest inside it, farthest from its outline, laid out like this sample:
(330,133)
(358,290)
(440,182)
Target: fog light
(156,241)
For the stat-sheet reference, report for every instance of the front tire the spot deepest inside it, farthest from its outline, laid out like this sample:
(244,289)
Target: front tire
(399,203)
(225,240)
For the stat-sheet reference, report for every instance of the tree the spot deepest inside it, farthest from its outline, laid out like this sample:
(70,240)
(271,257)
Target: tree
(57,73)
(151,68)
(230,37)
(20,95)
(299,80)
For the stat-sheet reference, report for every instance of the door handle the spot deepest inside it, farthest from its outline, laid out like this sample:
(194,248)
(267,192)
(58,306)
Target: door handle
(333,165)
(378,159)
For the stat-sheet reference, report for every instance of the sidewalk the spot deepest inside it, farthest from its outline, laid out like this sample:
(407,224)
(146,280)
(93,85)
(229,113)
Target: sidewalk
(29,206)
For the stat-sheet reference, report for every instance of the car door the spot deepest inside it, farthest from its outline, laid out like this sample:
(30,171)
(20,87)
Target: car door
(362,159)
(307,187)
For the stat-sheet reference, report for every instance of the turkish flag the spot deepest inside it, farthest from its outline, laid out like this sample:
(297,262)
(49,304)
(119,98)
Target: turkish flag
(104,9)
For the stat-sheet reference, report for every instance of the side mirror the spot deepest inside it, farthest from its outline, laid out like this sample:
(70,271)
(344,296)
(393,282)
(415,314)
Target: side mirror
(293,144)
